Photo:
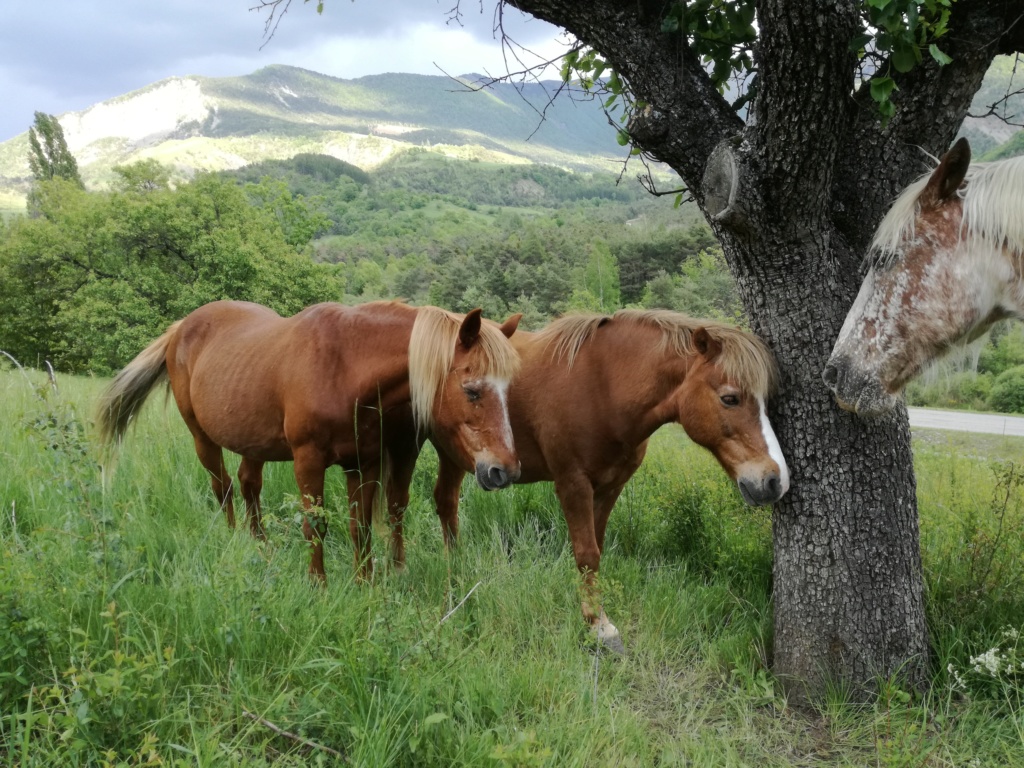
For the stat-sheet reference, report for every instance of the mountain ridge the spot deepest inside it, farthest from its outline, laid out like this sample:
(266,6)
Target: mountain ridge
(197,123)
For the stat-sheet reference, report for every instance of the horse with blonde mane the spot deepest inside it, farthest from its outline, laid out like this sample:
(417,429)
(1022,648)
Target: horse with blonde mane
(328,386)
(591,390)
(948,262)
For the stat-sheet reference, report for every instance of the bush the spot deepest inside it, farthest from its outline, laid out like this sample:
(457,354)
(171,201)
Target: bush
(1007,394)
(1004,349)
(964,389)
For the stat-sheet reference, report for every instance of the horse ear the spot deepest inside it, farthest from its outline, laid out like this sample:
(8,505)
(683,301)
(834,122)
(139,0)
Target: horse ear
(707,346)
(947,178)
(469,331)
(510,325)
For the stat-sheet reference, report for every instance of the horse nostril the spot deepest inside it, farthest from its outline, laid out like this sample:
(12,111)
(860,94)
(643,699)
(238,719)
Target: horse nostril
(773,486)
(830,376)
(498,477)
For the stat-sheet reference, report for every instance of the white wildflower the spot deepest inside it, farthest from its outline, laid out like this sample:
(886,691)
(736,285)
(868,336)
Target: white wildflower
(989,660)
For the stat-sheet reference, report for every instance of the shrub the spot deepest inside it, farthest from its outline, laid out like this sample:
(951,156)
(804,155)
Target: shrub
(963,389)
(1007,393)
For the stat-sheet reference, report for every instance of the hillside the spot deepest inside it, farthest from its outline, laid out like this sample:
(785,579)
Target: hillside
(202,123)
(199,123)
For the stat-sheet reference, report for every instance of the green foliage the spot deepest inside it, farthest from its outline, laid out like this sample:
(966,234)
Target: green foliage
(1007,395)
(142,176)
(507,238)
(1003,350)
(1012,147)
(895,36)
(98,275)
(722,34)
(962,389)
(702,287)
(49,157)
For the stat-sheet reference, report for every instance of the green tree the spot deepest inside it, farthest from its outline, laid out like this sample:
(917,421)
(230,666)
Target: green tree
(142,176)
(49,156)
(1007,393)
(601,277)
(99,275)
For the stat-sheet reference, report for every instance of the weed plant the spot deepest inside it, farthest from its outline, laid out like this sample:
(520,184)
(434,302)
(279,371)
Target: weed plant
(136,629)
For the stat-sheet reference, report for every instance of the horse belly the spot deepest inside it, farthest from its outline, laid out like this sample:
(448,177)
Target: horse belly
(238,410)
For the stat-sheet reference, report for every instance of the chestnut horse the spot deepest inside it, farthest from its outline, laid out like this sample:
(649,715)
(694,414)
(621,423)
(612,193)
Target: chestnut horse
(592,390)
(326,387)
(948,263)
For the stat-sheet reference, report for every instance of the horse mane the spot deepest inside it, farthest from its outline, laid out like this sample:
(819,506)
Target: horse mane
(991,210)
(432,350)
(745,359)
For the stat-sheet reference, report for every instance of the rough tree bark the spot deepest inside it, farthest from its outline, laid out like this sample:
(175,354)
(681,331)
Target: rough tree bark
(794,196)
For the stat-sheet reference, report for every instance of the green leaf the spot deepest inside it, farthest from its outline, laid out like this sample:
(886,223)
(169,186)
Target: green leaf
(622,138)
(858,42)
(938,55)
(434,719)
(904,56)
(881,87)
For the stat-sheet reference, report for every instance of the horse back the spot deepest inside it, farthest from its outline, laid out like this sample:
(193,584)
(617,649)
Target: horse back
(259,384)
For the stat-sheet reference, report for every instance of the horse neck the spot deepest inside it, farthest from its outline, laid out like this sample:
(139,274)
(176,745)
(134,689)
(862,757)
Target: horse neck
(384,333)
(645,374)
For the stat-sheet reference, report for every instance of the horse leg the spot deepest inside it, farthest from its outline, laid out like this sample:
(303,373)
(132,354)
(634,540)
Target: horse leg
(250,478)
(446,498)
(362,489)
(403,462)
(310,467)
(212,458)
(577,499)
(604,502)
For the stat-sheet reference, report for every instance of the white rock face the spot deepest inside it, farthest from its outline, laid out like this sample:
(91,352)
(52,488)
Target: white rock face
(141,119)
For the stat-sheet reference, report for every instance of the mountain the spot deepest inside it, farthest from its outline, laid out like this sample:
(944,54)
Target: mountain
(997,135)
(204,123)
(201,123)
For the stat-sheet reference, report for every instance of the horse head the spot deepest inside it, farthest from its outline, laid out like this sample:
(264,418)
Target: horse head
(941,276)
(726,416)
(469,415)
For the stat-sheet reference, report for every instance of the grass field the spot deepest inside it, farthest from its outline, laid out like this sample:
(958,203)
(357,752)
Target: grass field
(136,629)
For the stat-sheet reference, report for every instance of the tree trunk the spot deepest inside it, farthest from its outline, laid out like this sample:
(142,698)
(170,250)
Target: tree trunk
(794,195)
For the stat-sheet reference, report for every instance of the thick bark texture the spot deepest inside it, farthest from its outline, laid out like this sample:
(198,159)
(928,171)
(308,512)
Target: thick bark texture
(794,196)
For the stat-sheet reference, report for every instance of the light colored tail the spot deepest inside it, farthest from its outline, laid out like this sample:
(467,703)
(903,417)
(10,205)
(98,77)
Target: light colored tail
(123,399)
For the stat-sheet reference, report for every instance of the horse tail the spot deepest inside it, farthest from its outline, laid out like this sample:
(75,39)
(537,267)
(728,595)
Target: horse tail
(381,513)
(127,393)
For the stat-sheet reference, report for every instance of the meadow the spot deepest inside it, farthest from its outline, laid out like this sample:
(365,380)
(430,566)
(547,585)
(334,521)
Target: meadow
(136,629)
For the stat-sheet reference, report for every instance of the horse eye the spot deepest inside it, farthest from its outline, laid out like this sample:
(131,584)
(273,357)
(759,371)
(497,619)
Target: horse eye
(472,394)
(730,401)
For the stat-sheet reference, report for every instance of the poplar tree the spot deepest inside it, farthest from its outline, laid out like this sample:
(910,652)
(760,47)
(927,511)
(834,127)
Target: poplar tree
(49,156)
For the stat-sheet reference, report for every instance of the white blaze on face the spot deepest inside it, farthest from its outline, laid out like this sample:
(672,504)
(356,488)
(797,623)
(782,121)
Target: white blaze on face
(500,388)
(774,449)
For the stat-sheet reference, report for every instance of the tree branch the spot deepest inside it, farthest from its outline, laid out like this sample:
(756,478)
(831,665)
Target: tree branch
(659,69)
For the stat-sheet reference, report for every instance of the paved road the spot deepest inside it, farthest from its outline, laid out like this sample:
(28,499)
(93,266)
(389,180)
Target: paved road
(957,421)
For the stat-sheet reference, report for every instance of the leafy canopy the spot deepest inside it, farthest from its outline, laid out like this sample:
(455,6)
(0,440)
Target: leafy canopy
(894,35)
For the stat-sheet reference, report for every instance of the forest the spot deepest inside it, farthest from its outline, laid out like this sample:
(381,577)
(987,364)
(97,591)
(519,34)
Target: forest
(87,278)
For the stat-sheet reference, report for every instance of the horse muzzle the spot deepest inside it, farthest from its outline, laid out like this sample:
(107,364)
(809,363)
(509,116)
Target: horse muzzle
(857,391)
(491,477)
(766,489)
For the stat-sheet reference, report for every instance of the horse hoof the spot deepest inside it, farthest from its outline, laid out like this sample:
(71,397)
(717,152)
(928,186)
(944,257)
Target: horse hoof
(614,644)
(608,636)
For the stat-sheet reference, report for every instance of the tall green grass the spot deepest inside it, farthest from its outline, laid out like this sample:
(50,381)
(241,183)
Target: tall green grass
(136,629)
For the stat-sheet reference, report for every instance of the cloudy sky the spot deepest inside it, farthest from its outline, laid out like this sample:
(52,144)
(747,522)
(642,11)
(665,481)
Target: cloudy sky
(64,55)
